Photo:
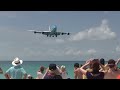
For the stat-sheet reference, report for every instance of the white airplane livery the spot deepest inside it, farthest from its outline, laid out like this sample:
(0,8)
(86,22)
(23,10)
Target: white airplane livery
(51,32)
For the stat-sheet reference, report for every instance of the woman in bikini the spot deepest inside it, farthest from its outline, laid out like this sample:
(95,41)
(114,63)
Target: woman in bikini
(95,67)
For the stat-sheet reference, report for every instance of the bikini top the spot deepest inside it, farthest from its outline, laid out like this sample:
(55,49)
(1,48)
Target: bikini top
(90,75)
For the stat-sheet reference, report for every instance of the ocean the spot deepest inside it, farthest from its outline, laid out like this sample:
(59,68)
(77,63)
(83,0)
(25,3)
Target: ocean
(31,67)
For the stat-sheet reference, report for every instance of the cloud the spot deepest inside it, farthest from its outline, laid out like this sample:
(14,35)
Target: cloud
(74,52)
(69,52)
(39,53)
(102,32)
(118,49)
(9,14)
(14,14)
(31,52)
(59,40)
(58,53)
(91,51)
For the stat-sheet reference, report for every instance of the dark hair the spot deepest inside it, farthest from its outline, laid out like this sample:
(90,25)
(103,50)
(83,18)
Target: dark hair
(42,69)
(102,61)
(52,67)
(95,66)
(76,65)
(81,65)
(111,63)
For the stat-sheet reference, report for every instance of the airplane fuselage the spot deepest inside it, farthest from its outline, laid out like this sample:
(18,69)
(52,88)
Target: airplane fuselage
(51,32)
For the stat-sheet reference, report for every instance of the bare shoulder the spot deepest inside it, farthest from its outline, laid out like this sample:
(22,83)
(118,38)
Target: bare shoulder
(76,70)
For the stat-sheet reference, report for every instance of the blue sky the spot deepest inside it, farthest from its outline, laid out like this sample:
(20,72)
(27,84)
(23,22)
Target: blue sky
(93,34)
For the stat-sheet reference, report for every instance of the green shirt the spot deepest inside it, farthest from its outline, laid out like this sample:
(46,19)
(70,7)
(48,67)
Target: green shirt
(16,72)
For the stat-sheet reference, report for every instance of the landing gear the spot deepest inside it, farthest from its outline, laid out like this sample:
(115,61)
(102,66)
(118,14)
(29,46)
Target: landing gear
(68,33)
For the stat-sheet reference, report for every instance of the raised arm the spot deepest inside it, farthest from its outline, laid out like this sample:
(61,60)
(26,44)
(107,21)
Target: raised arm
(45,73)
(117,61)
(102,68)
(106,68)
(84,66)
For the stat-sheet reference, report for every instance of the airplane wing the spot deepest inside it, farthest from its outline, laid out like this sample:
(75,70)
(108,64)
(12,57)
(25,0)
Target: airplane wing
(63,33)
(40,32)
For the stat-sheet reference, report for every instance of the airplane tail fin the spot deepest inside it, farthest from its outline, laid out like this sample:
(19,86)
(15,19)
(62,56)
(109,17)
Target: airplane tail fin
(49,28)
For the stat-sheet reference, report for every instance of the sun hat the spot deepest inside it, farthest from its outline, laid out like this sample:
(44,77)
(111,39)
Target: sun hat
(17,61)
(63,66)
(29,76)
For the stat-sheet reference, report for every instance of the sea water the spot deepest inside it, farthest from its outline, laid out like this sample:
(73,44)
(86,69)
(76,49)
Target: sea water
(31,67)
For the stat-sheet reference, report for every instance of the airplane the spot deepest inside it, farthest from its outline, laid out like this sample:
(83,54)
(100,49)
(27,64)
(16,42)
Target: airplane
(51,32)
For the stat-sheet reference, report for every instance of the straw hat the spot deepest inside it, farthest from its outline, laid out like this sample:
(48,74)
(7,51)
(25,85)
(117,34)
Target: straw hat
(63,66)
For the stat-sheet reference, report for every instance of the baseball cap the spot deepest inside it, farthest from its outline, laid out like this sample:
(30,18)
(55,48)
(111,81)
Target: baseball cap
(52,67)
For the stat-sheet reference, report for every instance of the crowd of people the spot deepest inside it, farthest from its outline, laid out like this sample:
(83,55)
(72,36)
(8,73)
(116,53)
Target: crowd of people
(97,69)
(92,69)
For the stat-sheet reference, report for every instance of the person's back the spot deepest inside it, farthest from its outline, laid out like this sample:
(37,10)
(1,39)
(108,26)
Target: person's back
(77,72)
(64,73)
(52,76)
(113,72)
(94,72)
(16,72)
(52,72)
(39,75)
(40,72)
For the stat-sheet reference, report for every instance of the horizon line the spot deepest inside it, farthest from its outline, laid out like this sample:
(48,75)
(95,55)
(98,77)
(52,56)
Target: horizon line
(49,60)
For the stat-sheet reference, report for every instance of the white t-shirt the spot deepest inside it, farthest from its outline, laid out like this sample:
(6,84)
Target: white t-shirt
(39,75)
(64,75)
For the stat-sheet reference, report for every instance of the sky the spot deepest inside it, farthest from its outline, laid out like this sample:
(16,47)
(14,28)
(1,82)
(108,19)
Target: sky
(94,34)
